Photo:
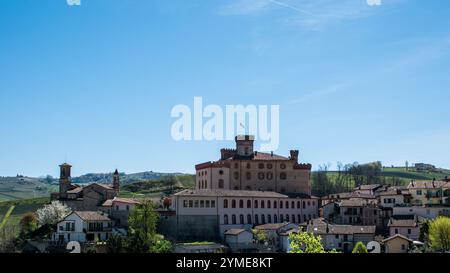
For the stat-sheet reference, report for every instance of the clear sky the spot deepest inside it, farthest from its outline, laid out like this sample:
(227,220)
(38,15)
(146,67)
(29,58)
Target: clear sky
(95,84)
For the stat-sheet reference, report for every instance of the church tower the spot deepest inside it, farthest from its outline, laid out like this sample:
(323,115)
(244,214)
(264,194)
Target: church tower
(244,146)
(64,180)
(116,181)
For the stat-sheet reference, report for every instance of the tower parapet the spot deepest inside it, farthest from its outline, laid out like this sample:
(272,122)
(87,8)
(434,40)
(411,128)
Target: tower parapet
(65,180)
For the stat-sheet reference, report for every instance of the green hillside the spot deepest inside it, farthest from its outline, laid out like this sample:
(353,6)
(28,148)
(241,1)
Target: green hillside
(19,209)
(412,174)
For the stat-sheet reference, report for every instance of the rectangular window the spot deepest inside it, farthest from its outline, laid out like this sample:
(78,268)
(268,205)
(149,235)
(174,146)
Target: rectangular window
(185,203)
(419,192)
(196,204)
(207,204)
(202,203)
(213,203)
(191,203)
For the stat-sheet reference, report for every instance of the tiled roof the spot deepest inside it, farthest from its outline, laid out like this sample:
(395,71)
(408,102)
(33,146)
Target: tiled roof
(402,223)
(368,187)
(76,190)
(125,201)
(230,193)
(234,231)
(267,156)
(107,203)
(397,236)
(354,202)
(272,226)
(319,226)
(426,184)
(91,216)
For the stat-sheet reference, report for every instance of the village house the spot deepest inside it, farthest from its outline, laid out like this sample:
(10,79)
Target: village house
(408,228)
(341,237)
(397,244)
(427,192)
(275,233)
(239,240)
(83,226)
(119,209)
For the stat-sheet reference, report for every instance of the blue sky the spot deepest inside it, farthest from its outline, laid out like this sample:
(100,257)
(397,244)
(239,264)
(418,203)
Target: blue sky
(95,84)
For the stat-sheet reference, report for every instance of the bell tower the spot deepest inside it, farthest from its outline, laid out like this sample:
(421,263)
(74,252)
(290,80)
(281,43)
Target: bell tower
(64,180)
(116,181)
(244,146)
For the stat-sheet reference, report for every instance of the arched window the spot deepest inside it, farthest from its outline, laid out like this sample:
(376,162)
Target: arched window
(225,203)
(261,176)
(263,219)
(281,218)
(249,204)
(221,184)
(298,204)
(275,218)
(269,166)
(249,219)
(304,205)
(256,219)
(292,204)
(225,219)
(233,219)
(287,218)
(261,165)
(262,204)
(269,176)
(275,204)
(299,218)
(281,204)
(287,204)
(241,219)
(293,218)
(269,218)
(256,204)
(233,204)
(269,204)
(241,204)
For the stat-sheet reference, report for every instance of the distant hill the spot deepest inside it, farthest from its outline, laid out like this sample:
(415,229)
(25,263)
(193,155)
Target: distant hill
(21,187)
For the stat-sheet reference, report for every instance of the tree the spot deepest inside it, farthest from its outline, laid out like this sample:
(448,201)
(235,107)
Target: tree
(52,213)
(439,234)
(142,224)
(28,223)
(307,243)
(360,248)
(160,245)
(260,236)
(115,244)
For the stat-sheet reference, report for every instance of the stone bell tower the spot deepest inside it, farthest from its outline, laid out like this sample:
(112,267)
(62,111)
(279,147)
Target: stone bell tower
(65,180)
(244,146)
(116,181)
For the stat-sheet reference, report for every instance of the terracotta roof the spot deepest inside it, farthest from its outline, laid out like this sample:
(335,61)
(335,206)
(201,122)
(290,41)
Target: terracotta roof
(390,192)
(272,226)
(234,231)
(426,184)
(230,193)
(91,216)
(402,223)
(397,236)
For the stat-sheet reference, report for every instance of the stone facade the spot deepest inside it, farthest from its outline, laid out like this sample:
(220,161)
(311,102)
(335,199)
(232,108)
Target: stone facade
(245,169)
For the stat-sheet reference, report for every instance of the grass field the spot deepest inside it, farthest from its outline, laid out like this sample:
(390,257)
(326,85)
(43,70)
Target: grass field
(19,209)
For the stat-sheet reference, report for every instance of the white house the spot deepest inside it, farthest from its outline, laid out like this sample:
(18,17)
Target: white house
(84,226)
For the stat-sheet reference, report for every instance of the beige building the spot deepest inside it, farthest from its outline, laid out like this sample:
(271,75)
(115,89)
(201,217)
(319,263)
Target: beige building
(427,192)
(245,169)
(397,244)
(408,228)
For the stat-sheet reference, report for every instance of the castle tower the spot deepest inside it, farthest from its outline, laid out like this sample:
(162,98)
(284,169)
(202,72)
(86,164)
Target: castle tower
(244,146)
(116,181)
(64,180)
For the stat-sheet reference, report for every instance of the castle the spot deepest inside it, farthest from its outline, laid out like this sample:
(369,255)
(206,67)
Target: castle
(242,190)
